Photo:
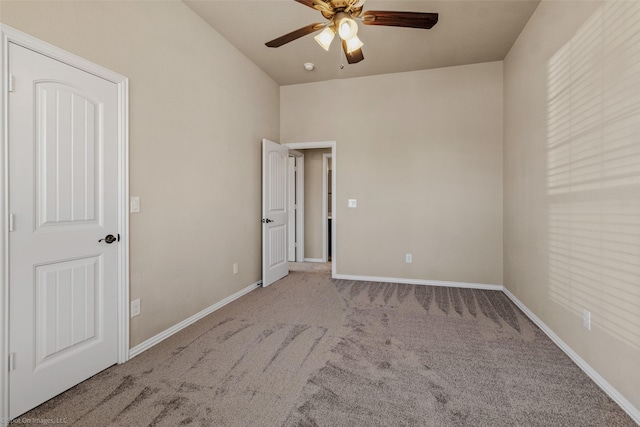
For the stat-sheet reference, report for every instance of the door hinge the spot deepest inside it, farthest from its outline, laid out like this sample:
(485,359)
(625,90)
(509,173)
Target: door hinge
(11,226)
(12,361)
(10,82)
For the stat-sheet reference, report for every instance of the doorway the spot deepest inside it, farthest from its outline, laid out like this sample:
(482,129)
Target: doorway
(323,243)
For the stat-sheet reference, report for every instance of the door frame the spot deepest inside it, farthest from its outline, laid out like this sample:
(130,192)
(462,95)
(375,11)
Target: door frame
(11,35)
(332,145)
(299,202)
(325,207)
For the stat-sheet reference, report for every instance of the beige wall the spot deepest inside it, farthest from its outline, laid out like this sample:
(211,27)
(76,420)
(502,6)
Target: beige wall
(198,111)
(422,154)
(572,180)
(313,177)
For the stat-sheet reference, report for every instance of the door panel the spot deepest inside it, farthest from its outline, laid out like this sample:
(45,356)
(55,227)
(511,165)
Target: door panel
(277,235)
(275,212)
(277,183)
(67,302)
(63,178)
(66,123)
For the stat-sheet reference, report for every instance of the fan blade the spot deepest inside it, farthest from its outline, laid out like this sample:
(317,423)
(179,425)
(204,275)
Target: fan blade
(321,5)
(300,32)
(307,2)
(400,19)
(353,57)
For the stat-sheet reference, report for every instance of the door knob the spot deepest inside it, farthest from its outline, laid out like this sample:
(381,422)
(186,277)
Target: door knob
(110,238)
(267,221)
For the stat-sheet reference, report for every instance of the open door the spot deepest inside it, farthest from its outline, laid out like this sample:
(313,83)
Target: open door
(275,212)
(296,206)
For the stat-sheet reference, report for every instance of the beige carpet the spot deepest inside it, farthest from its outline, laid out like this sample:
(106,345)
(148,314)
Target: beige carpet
(310,351)
(311,267)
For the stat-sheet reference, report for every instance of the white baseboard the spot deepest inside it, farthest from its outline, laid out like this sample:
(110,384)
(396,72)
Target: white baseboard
(420,282)
(145,345)
(633,412)
(313,260)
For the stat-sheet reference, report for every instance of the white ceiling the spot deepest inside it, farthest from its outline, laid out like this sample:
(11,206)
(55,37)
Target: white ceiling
(467,32)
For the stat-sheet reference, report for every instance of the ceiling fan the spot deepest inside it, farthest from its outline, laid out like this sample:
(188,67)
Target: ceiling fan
(341,14)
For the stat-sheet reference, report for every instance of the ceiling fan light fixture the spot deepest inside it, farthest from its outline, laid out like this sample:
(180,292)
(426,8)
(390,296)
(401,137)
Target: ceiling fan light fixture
(347,27)
(325,38)
(340,16)
(353,44)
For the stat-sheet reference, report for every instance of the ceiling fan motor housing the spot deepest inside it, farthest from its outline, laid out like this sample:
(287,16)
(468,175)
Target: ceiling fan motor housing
(329,8)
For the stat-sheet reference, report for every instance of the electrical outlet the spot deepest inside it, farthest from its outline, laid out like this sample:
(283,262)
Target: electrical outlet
(135,307)
(408,258)
(236,268)
(586,319)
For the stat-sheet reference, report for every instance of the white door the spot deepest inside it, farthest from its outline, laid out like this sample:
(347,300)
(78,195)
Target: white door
(63,198)
(292,208)
(275,213)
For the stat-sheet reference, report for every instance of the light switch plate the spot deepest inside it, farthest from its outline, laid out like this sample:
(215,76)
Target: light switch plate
(135,307)
(353,203)
(586,319)
(134,204)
